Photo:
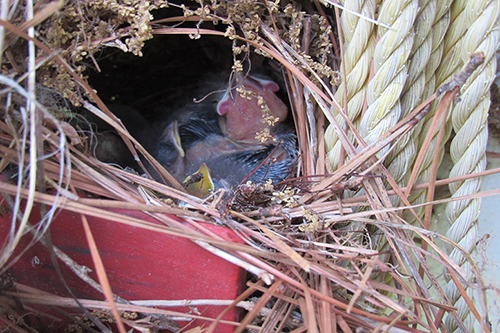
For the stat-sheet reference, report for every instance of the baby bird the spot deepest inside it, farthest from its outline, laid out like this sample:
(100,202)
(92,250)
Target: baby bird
(169,152)
(231,161)
(220,135)
(250,106)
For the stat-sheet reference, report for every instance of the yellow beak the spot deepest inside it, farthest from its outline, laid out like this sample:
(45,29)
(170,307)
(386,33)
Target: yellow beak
(176,138)
(200,183)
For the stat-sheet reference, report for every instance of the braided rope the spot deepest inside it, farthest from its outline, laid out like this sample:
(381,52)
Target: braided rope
(468,148)
(446,33)
(439,29)
(359,45)
(391,54)
(383,91)
(402,157)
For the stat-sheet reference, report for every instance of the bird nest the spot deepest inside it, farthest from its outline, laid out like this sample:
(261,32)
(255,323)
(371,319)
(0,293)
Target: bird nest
(347,242)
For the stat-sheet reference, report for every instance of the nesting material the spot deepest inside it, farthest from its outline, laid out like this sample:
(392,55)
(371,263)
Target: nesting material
(378,93)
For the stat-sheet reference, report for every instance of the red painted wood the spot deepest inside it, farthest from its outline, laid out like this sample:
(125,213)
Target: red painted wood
(140,265)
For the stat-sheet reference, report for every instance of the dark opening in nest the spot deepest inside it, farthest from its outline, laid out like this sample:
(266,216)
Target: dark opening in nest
(173,84)
(169,69)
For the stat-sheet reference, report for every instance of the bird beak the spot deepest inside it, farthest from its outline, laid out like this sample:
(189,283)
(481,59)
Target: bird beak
(227,99)
(260,86)
(200,183)
(172,135)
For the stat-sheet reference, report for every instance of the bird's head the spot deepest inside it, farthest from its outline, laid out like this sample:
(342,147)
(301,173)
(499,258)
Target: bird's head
(250,106)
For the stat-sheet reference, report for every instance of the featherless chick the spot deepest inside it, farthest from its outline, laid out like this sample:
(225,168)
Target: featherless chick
(219,136)
(250,106)
(230,161)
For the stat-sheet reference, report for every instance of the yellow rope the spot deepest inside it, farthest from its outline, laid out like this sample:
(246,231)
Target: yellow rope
(400,160)
(359,42)
(419,54)
(468,147)
(389,61)
(439,29)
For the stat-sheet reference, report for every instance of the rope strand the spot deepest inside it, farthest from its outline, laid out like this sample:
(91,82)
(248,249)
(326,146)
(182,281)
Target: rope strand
(468,147)
(359,46)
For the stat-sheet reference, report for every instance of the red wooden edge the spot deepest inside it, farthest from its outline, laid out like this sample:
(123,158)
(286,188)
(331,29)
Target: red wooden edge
(140,264)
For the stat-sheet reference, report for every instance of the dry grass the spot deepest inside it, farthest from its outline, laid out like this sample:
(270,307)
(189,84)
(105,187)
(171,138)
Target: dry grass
(311,271)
